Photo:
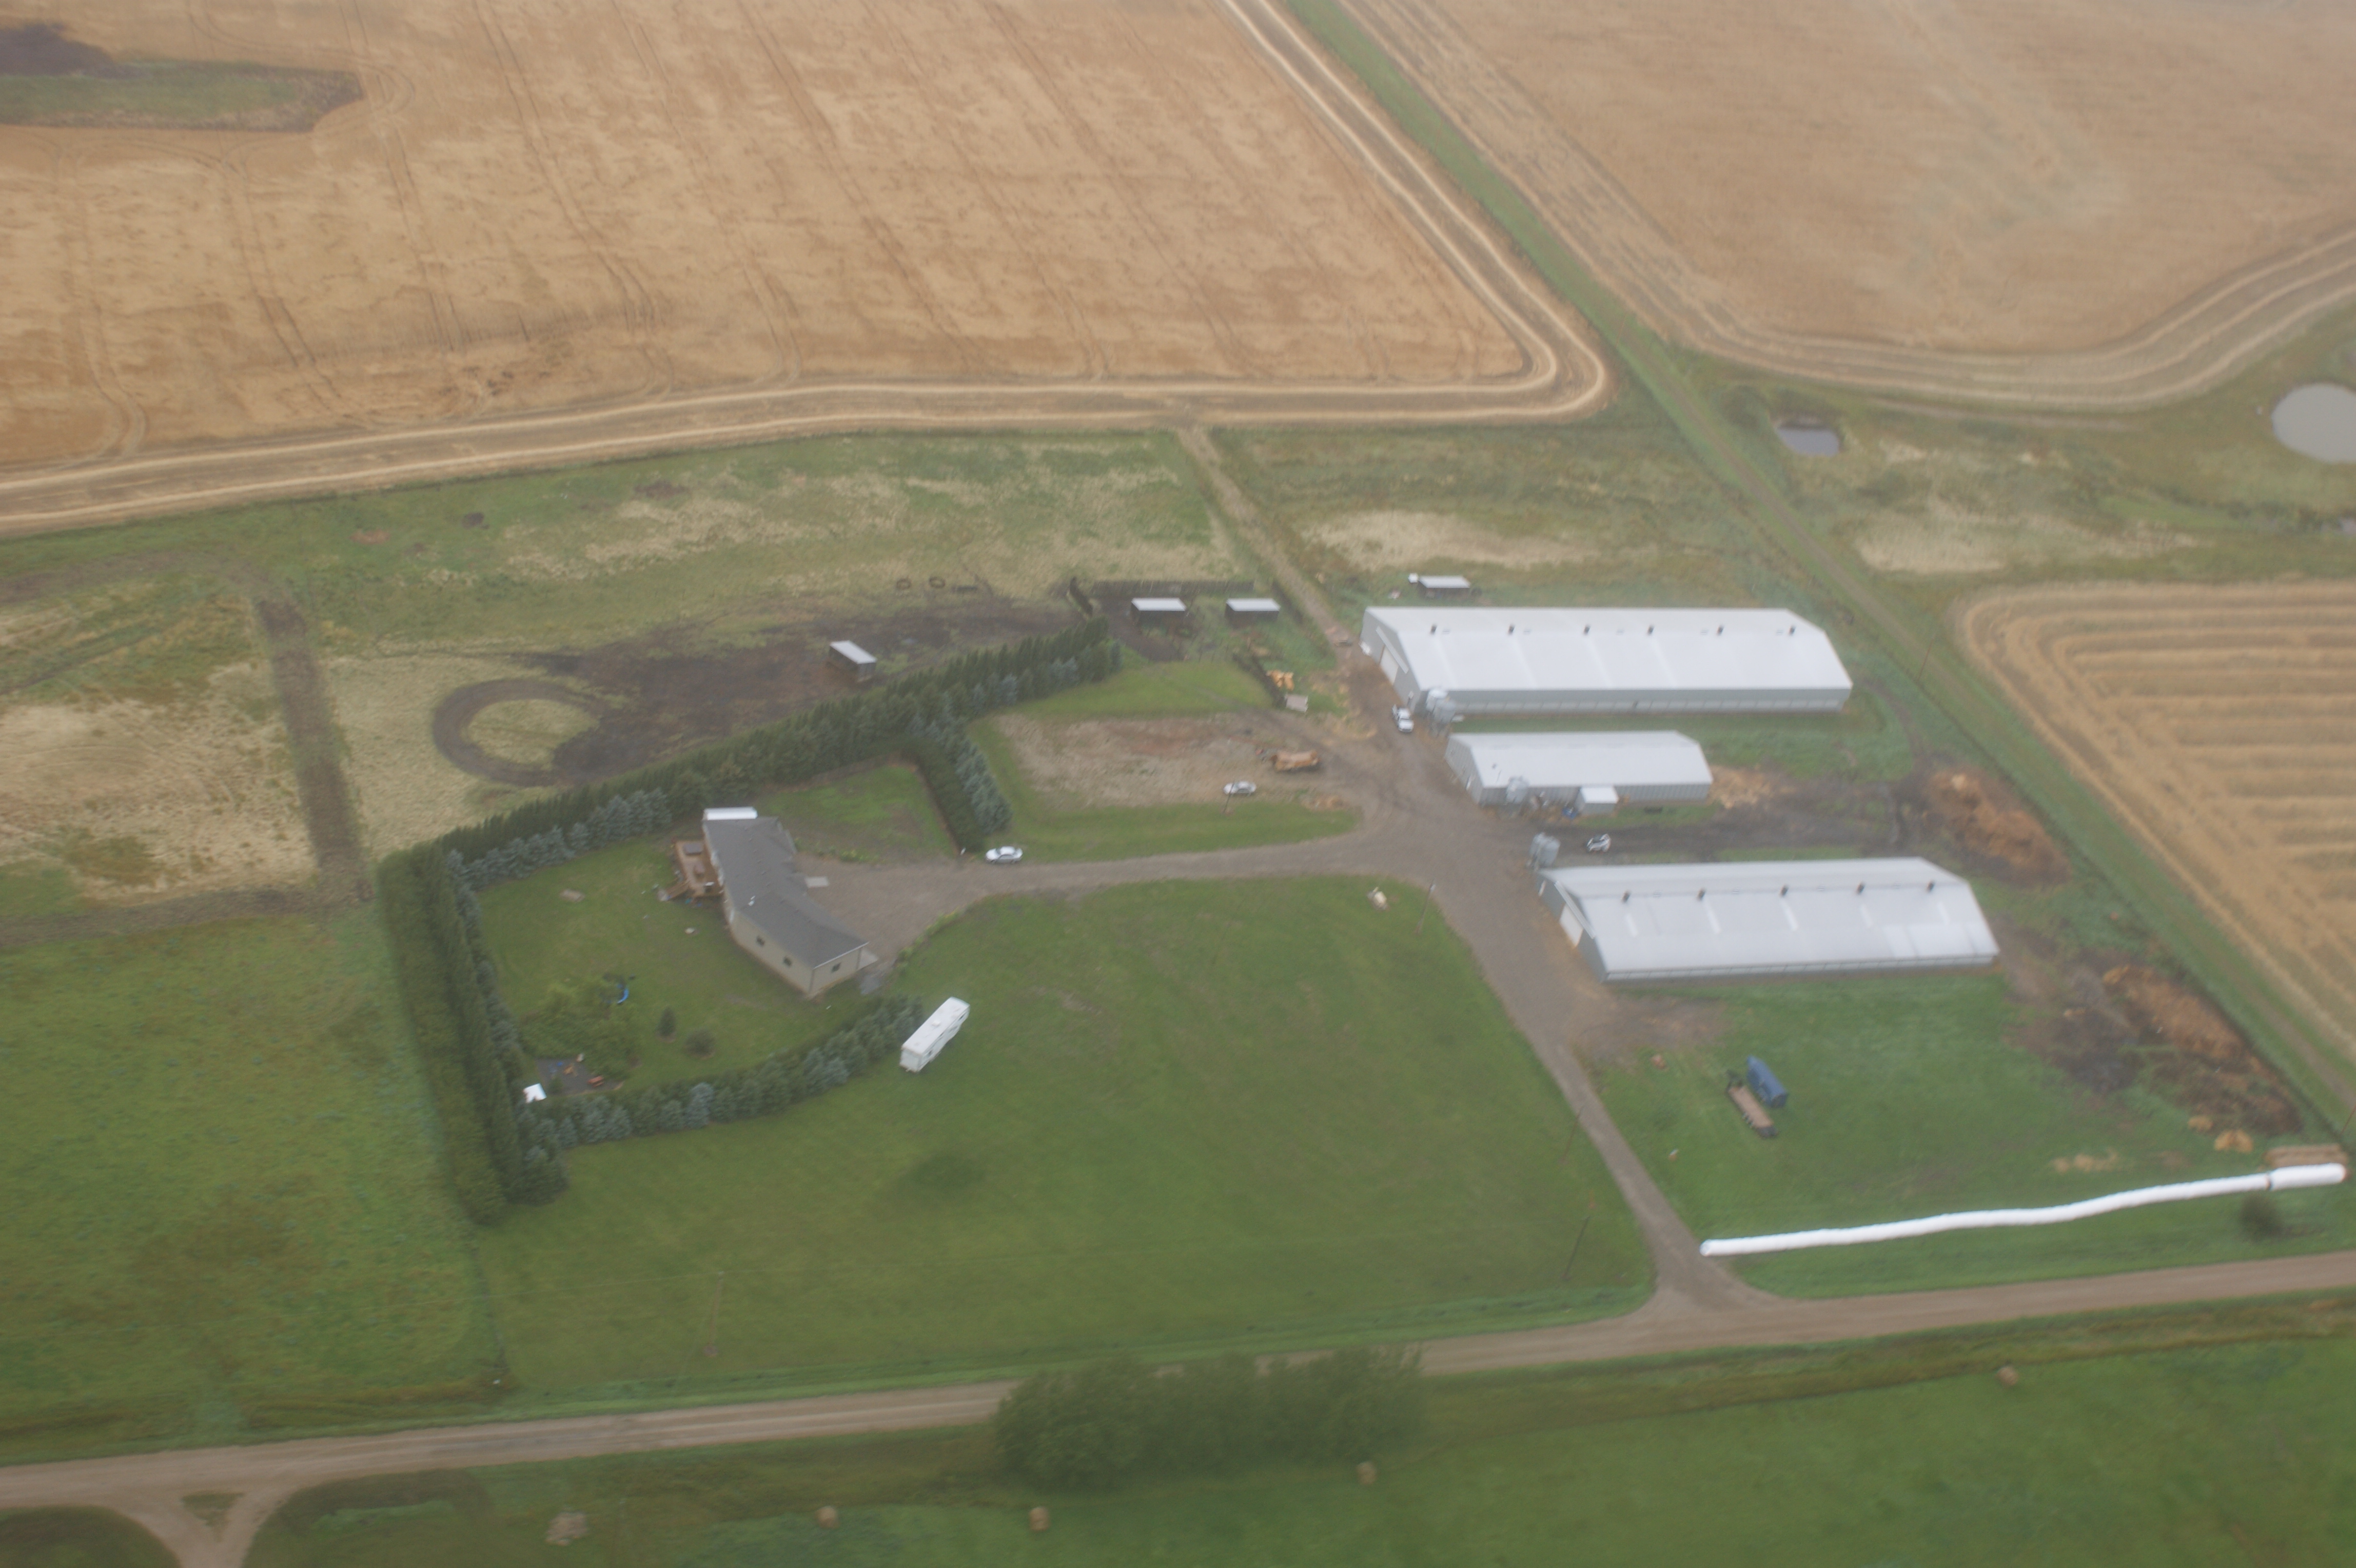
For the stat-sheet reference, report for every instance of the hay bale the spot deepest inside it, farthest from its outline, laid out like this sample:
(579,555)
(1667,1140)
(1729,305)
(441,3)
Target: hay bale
(1366,1473)
(2008,1377)
(1038,1521)
(828,1518)
(567,1528)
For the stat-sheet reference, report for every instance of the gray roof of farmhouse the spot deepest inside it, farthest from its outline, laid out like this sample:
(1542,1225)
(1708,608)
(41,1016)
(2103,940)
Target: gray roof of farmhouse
(1759,918)
(1615,657)
(755,857)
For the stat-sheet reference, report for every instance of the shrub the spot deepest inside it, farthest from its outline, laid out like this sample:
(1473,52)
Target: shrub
(669,1025)
(1097,1425)
(2262,1218)
(699,1043)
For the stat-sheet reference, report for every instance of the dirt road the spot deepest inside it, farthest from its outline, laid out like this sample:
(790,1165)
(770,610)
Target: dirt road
(1561,374)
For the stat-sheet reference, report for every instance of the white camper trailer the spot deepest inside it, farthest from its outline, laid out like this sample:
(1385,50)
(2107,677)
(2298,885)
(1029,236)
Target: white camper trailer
(918,1049)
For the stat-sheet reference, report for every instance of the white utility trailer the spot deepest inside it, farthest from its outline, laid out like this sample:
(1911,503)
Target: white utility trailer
(918,1051)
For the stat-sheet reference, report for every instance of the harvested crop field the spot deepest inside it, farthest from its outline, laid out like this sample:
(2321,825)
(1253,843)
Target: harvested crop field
(2219,723)
(535,206)
(2107,202)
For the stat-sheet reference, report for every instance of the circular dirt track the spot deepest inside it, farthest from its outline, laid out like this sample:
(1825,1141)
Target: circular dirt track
(461,707)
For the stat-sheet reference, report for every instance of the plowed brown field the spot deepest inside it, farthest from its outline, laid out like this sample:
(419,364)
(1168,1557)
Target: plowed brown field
(2219,723)
(2112,201)
(542,206)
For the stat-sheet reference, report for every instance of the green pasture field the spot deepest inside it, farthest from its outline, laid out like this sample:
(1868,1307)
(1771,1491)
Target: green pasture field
(880,812)
(1183,1113)
(2222,1453)
(78,1538)
(1908,1101)
(538,940)
(2195,490)
(183,94)
(225,1207)
(723,542)
(1124,833)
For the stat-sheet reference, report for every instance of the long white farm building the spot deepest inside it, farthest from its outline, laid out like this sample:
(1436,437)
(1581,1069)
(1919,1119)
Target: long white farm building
(1595,770)
(1478,661)
(1755,919)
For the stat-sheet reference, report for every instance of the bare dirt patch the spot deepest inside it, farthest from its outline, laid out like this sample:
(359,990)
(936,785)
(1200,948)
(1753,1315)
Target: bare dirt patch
(1947,540)
(2091,202)
(2209,1068)
(2219,724)
(537,206)
(1148,762)
(1991,824)
(1390,540)
(141,801)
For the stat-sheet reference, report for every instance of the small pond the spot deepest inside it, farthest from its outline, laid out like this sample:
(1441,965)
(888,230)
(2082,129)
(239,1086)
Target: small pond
(2318,421)
(1809,437)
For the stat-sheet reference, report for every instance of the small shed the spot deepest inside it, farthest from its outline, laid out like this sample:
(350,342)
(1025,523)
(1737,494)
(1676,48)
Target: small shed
(1249,612)
(850,656)
(532,1092)
(1441,587)
(1764,1083)
(918,1051)
(1157,612)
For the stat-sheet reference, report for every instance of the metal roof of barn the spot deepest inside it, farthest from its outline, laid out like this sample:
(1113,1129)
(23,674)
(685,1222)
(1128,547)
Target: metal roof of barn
(1627,760)
(1542,659)
(1766,918)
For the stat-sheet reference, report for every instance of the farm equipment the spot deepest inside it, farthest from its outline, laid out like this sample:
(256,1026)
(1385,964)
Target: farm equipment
(1748,1104)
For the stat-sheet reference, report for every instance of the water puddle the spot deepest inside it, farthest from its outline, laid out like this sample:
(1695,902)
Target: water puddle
(2318,421)
(1810,439)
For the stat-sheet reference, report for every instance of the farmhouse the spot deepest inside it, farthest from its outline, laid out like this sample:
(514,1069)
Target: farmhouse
(1753,918)
(1470,661)
(768,908)
(1593,772)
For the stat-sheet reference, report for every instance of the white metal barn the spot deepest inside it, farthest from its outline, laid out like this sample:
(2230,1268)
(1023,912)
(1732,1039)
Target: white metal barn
(918,1051)
(1479,660)
(1595,770)
(1748,919)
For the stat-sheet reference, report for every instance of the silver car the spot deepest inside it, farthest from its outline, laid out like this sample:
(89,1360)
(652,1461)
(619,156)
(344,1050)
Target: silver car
(1405,719)
(1243,787)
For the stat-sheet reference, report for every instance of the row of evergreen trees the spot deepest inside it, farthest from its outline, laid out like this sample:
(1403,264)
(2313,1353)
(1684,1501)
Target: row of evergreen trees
(817,740)
(1102,1424)
(550,1127)
(622,818)
(467,1038)
(959,777)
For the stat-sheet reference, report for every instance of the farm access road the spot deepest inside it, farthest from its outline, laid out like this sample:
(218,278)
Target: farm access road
(1417,826)
(1562,374)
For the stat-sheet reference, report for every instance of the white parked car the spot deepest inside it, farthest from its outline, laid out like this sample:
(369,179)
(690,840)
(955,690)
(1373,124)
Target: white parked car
(1404,719)
(1243,787)
(1599,845)
(1004,854)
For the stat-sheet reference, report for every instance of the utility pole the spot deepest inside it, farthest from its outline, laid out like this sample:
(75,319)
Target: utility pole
(1428,892)
(711,1331)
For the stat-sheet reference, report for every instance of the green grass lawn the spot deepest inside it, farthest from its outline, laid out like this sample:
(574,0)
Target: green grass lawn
(78,1538)
(1276,815)
(883,812)
(223,1196)
(677,955)
(1907,1100)
(1183,1113)
(2226,1455)
(1183,689)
